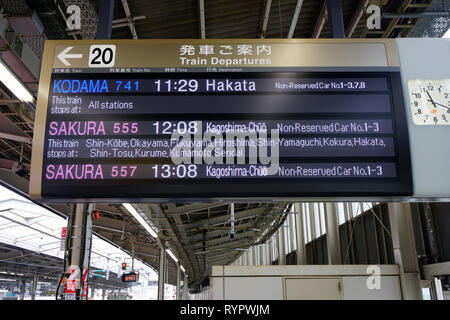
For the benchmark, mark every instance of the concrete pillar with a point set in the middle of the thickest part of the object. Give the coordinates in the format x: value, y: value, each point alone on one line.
x: 34, y: 288
x: 332, y: 229
x: 162, y: 271
x: 166, y: 274
x: 255, y: 255
x: 22, y: 285
x: 436, y: 286
x: 178, y: 282
x: 266, y: 252
x: 276, y: 244
x: 348, y: 211
x: 312, y: 220
x: 281, y: 252
x: 79, y: 247
x: 185, y: 287
x: 300, y: 235
x: 405, y: 254
x: 270, y: 251
x: 107, y: 271
x: 292, y: 228
x: 287, y: 245
x: 261, y: 255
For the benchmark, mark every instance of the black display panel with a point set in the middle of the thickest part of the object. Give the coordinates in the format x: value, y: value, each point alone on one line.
x: 340, y: 134
x: 129, y: 277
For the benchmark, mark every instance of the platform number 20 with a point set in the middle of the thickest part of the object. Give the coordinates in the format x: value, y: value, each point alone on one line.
x: 102, y: 56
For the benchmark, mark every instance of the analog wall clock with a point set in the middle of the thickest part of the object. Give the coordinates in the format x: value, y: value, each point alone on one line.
x: 430, y: 101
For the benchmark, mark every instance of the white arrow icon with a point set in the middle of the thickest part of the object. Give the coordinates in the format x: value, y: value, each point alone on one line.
x: 64, y: 55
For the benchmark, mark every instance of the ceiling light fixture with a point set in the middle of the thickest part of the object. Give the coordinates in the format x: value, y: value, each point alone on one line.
x: 139, y: 218
x: 172, y: 255
x: 13, y: 84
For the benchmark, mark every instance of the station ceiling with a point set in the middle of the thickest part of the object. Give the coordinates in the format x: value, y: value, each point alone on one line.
x: 196, y: 232
x: 26, y: 264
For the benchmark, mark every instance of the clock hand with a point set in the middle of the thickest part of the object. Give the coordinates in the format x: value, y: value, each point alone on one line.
x: 439, y: 104
x: 431, y: 99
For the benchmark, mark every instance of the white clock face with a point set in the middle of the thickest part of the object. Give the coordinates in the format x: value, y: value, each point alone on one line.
x: 430, y: 101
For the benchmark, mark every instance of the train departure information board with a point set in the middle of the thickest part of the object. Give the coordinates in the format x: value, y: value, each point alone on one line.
x: 233, y: 133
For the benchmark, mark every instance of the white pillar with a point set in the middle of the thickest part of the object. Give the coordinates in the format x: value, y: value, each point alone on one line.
x: 162, y: 271
x: 269, y: 252
x: 404, y: 245
x: 292, y: 228
x: 332, y: 228
x: 185, y: 287
x: 255, y: 255
x: 437, y: 288
x: 300, y: 235
x: 312, y: 220
x: 261, y: 255
x: 281, y: 252
x: 178, y: 282
x: 34, y: 287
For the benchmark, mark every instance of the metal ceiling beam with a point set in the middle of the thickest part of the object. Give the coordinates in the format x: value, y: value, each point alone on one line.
x: 222, y: 260
x: 320, y: 21
x: 15, y: 137
x: 14, y: 149
x: 297, y: 10
x: 212, y: 242
x: 189, y: 208
x: 415, y: 15
x: 356, y: 18
x: 224, y: 218
x: 130, y: 21
x: 10, y: 100
x: 265, y: 18
x: 11, y: 255
x: 122, y: 20
x: 436, y: 269
x: 231, y: 244
x: 224, y: 255
x: 192, y: 265
x: 404, y: 5
x: 221, y: 254
x: 176, y: 243
x: 201, y: 7
x: 217, y: 232
x: 335, y: 18
x: 116, y: 225
x: 105, y: 16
